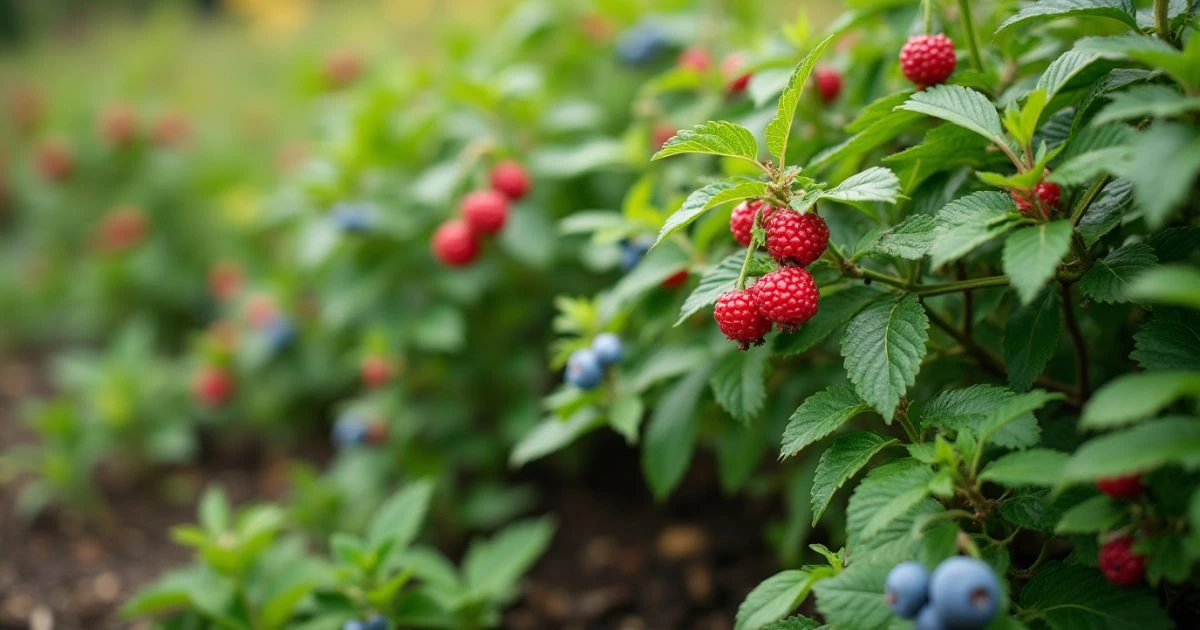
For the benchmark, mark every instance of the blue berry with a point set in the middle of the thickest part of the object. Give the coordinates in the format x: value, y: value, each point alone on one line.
x: 907, y: 588
x: 641, y: 44
x: 352, y: 217
x: 377, y: 623
x: 928, y: 619
x: 279, y: 333
x: 349, y: 430
x: 965, y: 592
x: 584, y: 370
x: 608, y: 349
x: 632, y: 251
x: 354, y: 624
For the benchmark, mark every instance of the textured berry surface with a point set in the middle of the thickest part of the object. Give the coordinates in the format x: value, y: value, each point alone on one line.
x: 486, y: 211
x: 829, y: 83
x: 907, y: 589
x: 376, y: 371
x: 213, y: 386
x: 928, y: 619
x: 510, y: 179
x: 1127, y: 487
x: 739, y: 319
x: 796, y: 239
x: 695, y: 59
x: 1120, y: 564
x: 455, y: 244
x: 787, y: 296
x: 731, y: 67
x: 928, y: 59
x: 608, y: 348
x: 965, y: 592
x: 1047, y: 192
x: 584, y: 369
x: 741, y: 222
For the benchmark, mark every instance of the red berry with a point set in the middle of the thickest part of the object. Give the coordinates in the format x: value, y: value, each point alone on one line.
x: 1047, y: 192
x: 676, y: 279
x: 829, y: 83
x: 928, y: 59
x: 171, y: 129
x: 787, y: 296
x: 225, y: 280
x: 213, y: 386
x: 741, y: 222
x: 696, y: 59
x: 55, y: 161
x: 510, y: 179
x: 455, y: 244
x: 661, y: 134
x: 731, y: 67
x: 121, y: 230
x: 1120, y: 564
x: 485, y: 211
x: 376, y: 371
x: 1127, y: 487
x: 796, y: 239
x: 118, y: 125
x: 738, y: 317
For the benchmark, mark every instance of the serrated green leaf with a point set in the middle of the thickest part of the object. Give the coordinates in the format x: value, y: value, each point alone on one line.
x: 883, y: 348
x: 1111, y: 278
x: 671, y: 434
x: 718, y: 137
x: 1073, y: 597
x: 707, y: 198
x: 1034, y: 467
x: 1106, y: 211
x: 854, y: 598
x: 1146, y: 101
x: 1171, y: 340
x: 738, y: 382
x: 973, y: 407
x: 944, y: 147
x: 1170, y: 284
x: 887, y: 493
x: 1135, y: 397
x: 961, y: 106
x: 877, y: 126
x: 911, y: 239
x: 841, y: 461
x: 1011, y: 410
x: 1040, y: 510
x: 1096, y: 514
x: 777, y: 596
x: 968, y: 222
x: 874, y: 184
x: 1160, y: 186
x: 1063, y: 70
x: 1032, y: 254
x: 1143, y: 448
x: 1031, y: 338
x: 780, y: 127
x: 818, y: 416
x: 1119, y: 10
x: 793, y: 623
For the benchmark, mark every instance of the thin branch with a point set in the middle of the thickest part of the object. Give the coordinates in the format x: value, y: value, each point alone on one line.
x: 927, y: 290
x: 1081, y: 354
x: 1088, y: 199
x: 964, y: 9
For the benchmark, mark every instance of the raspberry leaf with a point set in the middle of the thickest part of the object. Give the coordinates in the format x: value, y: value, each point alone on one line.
x: 883, y: 348
x: 1146, y: 447
x: 492, y: 567
x: 1119, y: 10
x: 720, y: 278
x: 1170, y: 284
x: 398, y: 521
x: 738, y: 383
x: 780, y: 127
x: 874, y: 184
x: 553, y: 434
x: 841, y: 461
x: 1034, y: 467
x: 777, y: 596
x: 714, y: 138
x: 706, y: 198
x: 794, y: 623
x: 820, y: 414
x: 961, y: 106
x: 1170, y: 340
x: 1135, y: 397
x: 1070, y: 596
x: 1110, y: 279
x: 836, y: 309
x: 1031, y: 338
x: 854, y: 598
x: 1032, y: 254
x: 671, y: 434
x: 968, y: 222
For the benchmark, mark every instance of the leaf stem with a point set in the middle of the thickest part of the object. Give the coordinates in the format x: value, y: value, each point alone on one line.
x: 1162, y: 21
x: 1081, y: 354
x: 960, y: 285
x: 928, y: 4
x: 1088, y: 198
x: 741, y: 283
x: 964, y: 9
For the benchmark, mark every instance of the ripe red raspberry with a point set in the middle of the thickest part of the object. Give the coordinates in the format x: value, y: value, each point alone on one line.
x: 1120, y: 564
x: 376, y: 371
x: 787, y: 296
x: 118, y: 125
x: 829, y: 83
x: 696, y: 59
x: 121, y: 230
x: 731, y: 67
x: 738, y: 317
x: 928, y: 59
x: 510, y: 180
x: 1127, y: 487
x: 486, y: 211
x: 796, y: 239
x: 741, y: 222
x: 1047, y: 192
x: 676, y: 279
x: 55, y: 161
x: 213, y: 386
x: 455, y: 244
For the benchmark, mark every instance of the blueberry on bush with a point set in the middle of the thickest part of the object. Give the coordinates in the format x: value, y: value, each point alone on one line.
x: 352, y: 218
x: 608, y: 349
x: 928, y: 619
x: 377, y: 622
x: 349, y: 430
x: 907, y: 589
x: 584, y: 369
x: 632, y: 251
x: 640, y: 44
x: 965, y: 592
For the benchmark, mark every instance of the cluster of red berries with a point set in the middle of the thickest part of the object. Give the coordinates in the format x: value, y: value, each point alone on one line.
x: 484, y: 213
x: 1042, y: 200
x: 786, y: 297
x: 928, y: 59
x: 1118, y: 561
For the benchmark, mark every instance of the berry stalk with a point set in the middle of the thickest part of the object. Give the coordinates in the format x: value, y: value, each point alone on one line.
x: 964, y: 8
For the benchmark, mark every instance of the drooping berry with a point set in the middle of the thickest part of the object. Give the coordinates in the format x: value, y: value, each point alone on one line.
x: 1120, y: 564
x: 584, y: 369
x: 118, y: 125
x: 510, y: 179
x: 213, y: 386
x: 741, y: 222
x: 787, y: 296
x: 676, y: 279
x: 608, y: 349
x: 455, y: 244
x: 486, y: 211
x: 55, y: 161
x: 907, y: 589
x: 928, y: 619
x: 796, y: 239
x: 829, y: 83
x: 1127, y: 487
x: 739, y: 319
x: 965, y: 592
x: 376, y: 371
x: 1048, y: 193
x: 121, y: 230
x: 695, y: 58
x: 928, y: 59
x: 731, y: 68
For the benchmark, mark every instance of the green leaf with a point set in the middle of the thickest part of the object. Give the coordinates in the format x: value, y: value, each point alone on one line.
x: 836, y: 309
x: 671, y: 435
x: 1119, y: 10
x: 553, y: 434
x: 214, y: 511
x: 1074, y: 597
x: 793, y: 623
x: 911, y: 239
x: 1146, y: 101
x: 492, y: 567
x: 854, y: 598
x: 780, y: 127
x: 1034, y: 467
x: 1032, y: 254
x: 658, y: 265
x: 841, y: 461
x: 1169, y: 284
x: 1106, y: 211
x: 706, y: 198
x: 883, y: 348
x: 399, y: 518
x: 968, y: 222
x: 738, y: 383
x: 961, y: 106
x: 1160, y: 186
x: 887, y: 493
x: 1063, y: 70
x: 1171, y: 340
x: 1031, y: 337
x: 973, y: 408
x: 820, y: 414
x: 1011, y: 410
x: 1093, y: 515
x: 625, y: 415
x: 1143, y: 448
x: 1111, y: 278
x: 714, y: 138
x: 720, y: 278
x: 944, y: 147
x: 776, y: 596
x: 874, y: 184
x: 1133, y: 397
x: 1040, y: 510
